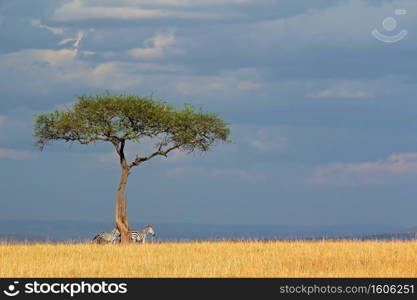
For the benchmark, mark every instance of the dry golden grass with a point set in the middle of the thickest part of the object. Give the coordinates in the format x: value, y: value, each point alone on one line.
x: 212, y: 259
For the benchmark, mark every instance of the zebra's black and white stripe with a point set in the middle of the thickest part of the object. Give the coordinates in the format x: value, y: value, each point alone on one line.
x: 140, y: 235
x: 107, y: 237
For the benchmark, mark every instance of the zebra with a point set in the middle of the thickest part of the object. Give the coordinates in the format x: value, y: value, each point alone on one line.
x: 140, y: 235
x: 107, y: 237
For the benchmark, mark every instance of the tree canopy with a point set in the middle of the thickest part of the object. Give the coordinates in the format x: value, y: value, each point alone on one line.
x: 119, y: 118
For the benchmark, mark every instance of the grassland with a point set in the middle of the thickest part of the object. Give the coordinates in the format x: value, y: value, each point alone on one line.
x: 212, y: 259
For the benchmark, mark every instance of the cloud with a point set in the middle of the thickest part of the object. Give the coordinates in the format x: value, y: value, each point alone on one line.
x: 224, y: 84
x: 345, y: 89
x: 52, y: 57
x: 47, y: 70
x: 16, y: 154
x: 154, y: 47
x: 38, y: 71
x: 77, y: 10
x: 323, y: 26
x: 116, y: 75
x: 268, y: 140
x: 88, y: 53
x: 396, y: 166
x: 186, y: 2
x: 215, y: 173
x: 43, y: 70
x: 65, y: 41
x: 76, y: 42
x: 54, y: 30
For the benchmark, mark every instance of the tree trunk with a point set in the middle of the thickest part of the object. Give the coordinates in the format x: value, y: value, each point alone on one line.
x: 120, y: 212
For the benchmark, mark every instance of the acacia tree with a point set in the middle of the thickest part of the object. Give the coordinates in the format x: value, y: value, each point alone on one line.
x: 121, y: 118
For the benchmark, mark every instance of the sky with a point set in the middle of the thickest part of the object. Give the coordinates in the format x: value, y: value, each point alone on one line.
x: 323, y: 114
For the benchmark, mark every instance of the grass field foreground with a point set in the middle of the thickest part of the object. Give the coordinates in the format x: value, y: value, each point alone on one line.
x: 212, y: 259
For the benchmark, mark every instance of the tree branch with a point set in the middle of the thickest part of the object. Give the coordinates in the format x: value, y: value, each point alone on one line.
x: 140, y: 160
x: 120, y: 146
x: 103, y: 138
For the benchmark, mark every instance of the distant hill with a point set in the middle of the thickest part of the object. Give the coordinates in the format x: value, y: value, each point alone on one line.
x: 406, y: 235
x: 82, y: 231
x: 26, y: 238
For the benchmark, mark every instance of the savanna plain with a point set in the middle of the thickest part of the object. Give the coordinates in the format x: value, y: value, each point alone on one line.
x: 212, y: 259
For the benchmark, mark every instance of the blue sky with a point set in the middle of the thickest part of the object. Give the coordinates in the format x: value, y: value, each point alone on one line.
x: 323, y: 115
